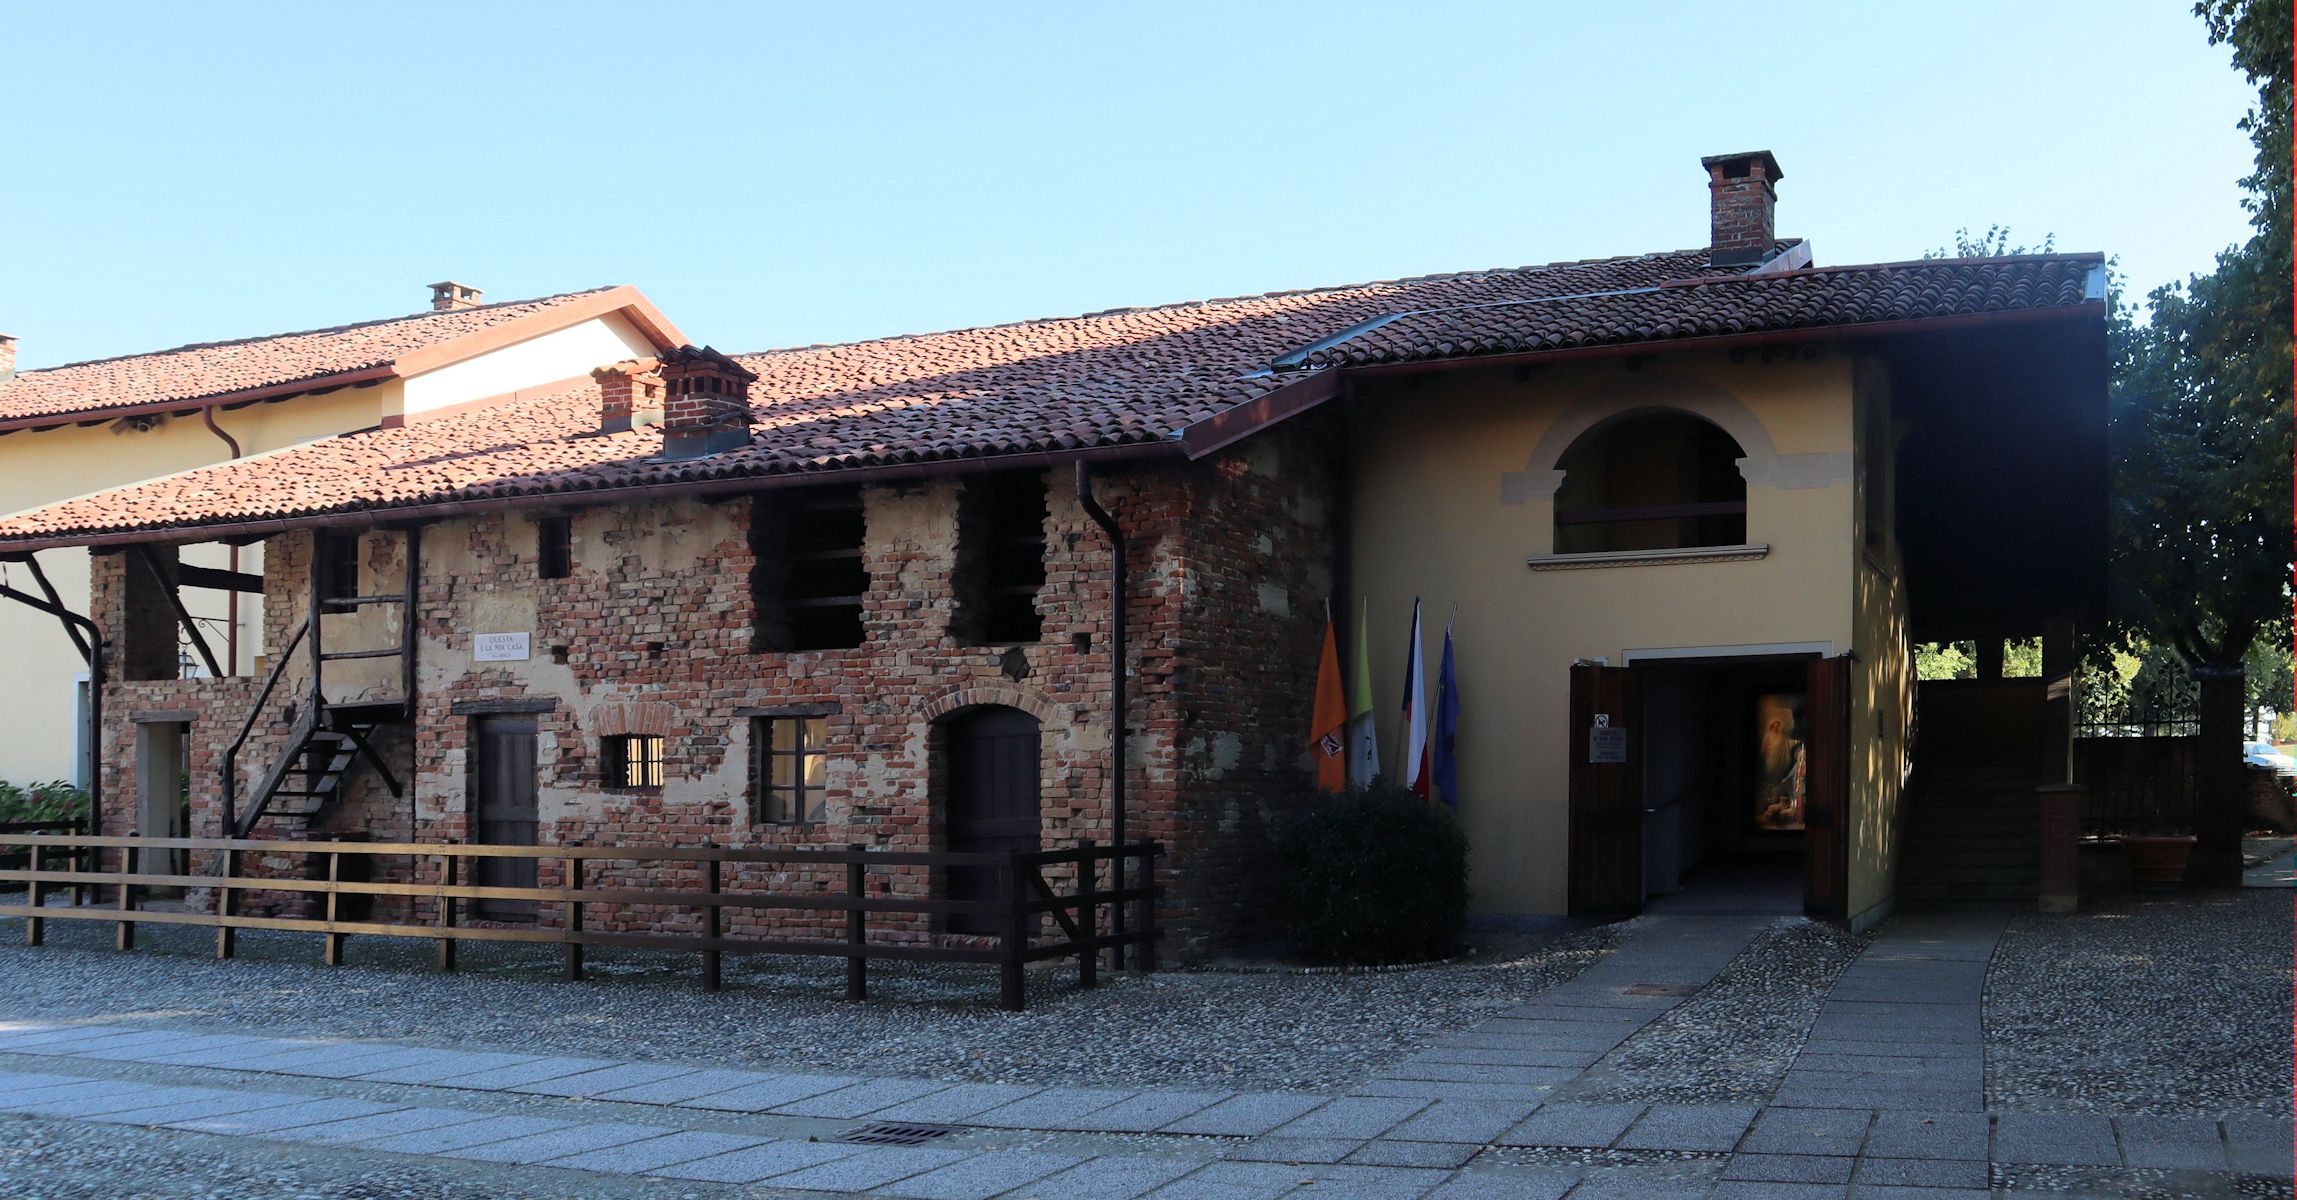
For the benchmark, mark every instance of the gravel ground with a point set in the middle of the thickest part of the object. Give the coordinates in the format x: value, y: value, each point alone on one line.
x: 63, y: 1160
x: 1259, y: 1032
x: 2179, y: 1005
x: 1733, y: 1041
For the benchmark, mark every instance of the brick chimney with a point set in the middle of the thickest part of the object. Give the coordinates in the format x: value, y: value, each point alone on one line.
x: 1745, y: 195
x: 7, y: 356
x: 447, y: 296
x: 705, y: 403
x: 629, y: 395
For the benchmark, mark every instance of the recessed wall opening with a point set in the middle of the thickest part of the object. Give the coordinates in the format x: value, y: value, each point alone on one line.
x: 1651, y: 481
x: 1725, y: 756
x: 808, y: 578
x: 1000, y: 559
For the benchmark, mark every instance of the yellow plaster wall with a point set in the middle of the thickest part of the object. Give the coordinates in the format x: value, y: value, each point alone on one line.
x: 1437, y: 466
x: 1882, y: 680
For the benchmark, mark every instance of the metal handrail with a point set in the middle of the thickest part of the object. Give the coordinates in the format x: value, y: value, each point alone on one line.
x: 247, y: 729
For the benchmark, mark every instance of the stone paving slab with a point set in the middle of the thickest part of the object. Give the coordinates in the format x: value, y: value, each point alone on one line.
x: 107, y: 1096
x: 1930, y: 1135
x: 1428, y: 1089
x: 1384, y: 1152
x: 351, y: 1066
x: 953, y: 1104
x: 1565, y: 1123
x: 1703, y: 1127
x: 677, y: 1089
x: 1375, y: 1183
x: 161, y: 1045
x: 1233, y: 1181
x: 605, y: 1079
x: 440, y: 1139
x: 208, y: 1106
x: 560, y: 1143
x: 631, y: 1158
x: 1145, y: 1112
x: 382, y: 1125
x: 1247, y: 1115
x: 271, y: 1120
x: 874, y: 1167
x: 489, y: 1079
x: 1436, y: 1072
x: 293, y: 1058
x: 1920, y: 1173
x: 1505, y: 1050
x: 1507, y: 1185
x: 757, y: 1162
x: 771, y: 1091
x: 448, y: 1068
x: 219, y: 1052
x: 2259, y: 1145
x: 1738, y: 1189
x: 1276, y: 1148
x: 1808, y: 1131
x: 1788, y: 1168
x: 861, y: 1099
x: 1473, y: 1122
x: 1051, y: 1104
x: 2062, y: 1139
x: 2171, y: 1143
x: 1356, y: 1117
x: 983, y: 1176
x: 1110, y: 1179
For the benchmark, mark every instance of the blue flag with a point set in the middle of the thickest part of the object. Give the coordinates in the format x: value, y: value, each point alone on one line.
x: 1447, y: 766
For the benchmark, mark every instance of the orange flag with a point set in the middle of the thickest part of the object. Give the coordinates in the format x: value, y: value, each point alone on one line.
x: 1328, y: 731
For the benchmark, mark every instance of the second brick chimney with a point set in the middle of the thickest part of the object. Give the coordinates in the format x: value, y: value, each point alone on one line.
x: 7, y: 357
x: 705, y: 402
x: 629, y: 395
x: 1744, y: 193
x: 447, y: 296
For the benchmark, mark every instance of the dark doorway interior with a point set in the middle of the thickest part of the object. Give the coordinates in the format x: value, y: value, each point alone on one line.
x: 1726, y: 784
x: 992, y: 801
x: 503, y: 811
x: 163, y: 808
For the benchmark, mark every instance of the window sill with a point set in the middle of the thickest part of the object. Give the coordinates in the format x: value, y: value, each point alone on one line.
x: 1646, y: 558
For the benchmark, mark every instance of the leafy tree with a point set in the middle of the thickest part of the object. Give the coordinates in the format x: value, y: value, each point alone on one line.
x: 1994, y: 243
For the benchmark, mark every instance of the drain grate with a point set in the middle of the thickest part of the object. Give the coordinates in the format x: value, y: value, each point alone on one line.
x: 1658, y: 989
x: 896, y: 1135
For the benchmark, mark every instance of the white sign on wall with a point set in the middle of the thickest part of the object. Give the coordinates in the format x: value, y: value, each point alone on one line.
x: 500, y: 647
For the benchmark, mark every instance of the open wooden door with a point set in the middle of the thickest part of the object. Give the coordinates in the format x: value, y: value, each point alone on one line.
x: 1606, y: 791
x: 1826, y: 790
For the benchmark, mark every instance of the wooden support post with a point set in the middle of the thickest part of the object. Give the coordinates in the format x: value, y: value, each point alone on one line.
x: 333, y: 955
x: 125, y: 935
x: 1088, y: 915
x: 226, y: 907
x: 573, y: 969
x: 1011, y: 987
x: 446, y: 914
x: 34, y: 934
x: 856, y: 928
x: 712, y: 925
x: 2060, y: 660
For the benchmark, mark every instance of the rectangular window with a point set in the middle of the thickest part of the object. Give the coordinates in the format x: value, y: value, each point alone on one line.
x: 808, y: 579
x: 631, y: 762
x: 788, y: 766
x: 1000, y: 559
x: 554, y: 547
x: 336, y: 558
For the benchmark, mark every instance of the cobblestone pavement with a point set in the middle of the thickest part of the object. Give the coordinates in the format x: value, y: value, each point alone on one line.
x: 1884, y: 1100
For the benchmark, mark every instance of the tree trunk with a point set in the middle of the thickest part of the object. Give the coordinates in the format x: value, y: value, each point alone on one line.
x: 2220, y: 808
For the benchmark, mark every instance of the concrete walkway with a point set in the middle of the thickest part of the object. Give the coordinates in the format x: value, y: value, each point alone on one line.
x: 1885, y: 1100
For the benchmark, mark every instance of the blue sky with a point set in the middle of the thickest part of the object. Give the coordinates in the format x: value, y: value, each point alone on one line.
x: 778, y: 175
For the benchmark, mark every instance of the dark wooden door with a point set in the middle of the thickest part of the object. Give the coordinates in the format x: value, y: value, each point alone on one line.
x: 1826, y: 789
x: 1606, y: 850
x: 503, y: 812
x: 993, y: 802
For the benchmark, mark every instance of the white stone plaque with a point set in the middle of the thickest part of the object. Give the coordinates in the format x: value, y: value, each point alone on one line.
x: 500, y: 647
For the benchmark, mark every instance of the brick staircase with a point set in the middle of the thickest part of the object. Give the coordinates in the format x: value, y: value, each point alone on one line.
x: 1969, y: 842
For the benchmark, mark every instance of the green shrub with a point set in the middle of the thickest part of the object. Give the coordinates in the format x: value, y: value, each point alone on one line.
x: 1374, y: 876
x: 54, y: 800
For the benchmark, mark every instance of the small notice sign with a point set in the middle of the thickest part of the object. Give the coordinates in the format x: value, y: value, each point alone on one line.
x: 500, y: 647
x: 1605, y: 744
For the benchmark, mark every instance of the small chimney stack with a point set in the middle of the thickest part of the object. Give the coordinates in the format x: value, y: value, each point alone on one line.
x: 1744, y: 192
x: 7, y: 357
x: 629, y: 395
x: 447, y: 296
x: 705, y: 403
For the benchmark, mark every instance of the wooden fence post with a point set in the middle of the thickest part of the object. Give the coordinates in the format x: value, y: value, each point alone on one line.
x: 1088, y: 915
x: 1011, y: 987
x: 712, y: 924
x: 226, y: 907
x: 33, y: 932
x: 333, y: 954
x: 573, y: 969
x: 125, y: 936
x: 449, y: 870
x: 856, y: 927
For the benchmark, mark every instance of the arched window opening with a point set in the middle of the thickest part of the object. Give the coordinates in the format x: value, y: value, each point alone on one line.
x: 1651, y: 481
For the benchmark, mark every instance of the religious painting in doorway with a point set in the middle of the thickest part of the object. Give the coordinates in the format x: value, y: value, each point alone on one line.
x: 1779, y: 757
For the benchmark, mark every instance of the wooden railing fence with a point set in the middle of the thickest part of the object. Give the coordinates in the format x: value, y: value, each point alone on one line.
x: 1080, y: 926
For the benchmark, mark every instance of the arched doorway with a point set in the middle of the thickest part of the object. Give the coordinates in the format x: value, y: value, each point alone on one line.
x: 990, y: 800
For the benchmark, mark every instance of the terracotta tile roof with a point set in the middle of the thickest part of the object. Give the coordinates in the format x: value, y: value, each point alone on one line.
x: 210, y: 369
x: 1715, y: 307
x: 1102, y: 382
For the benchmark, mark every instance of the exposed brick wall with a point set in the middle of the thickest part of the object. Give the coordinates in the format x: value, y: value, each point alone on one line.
x: 652, y: 632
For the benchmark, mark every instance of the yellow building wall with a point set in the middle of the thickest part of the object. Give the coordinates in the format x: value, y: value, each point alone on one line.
x: 1453, y: 486
x: 1882, y: 679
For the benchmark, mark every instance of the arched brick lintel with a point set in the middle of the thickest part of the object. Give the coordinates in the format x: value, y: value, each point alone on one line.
x: 977, y: 693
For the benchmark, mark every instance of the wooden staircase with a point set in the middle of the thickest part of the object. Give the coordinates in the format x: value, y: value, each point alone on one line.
x: 1969, y: 842
x: 329, y: 744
